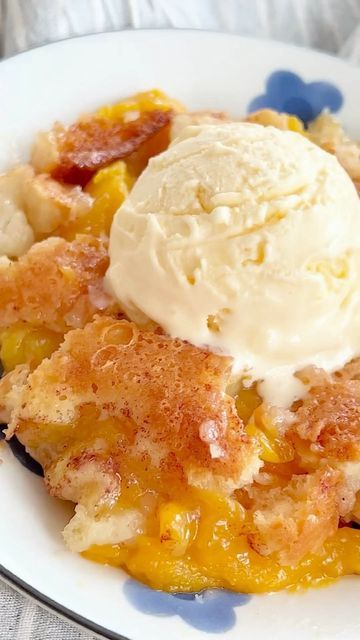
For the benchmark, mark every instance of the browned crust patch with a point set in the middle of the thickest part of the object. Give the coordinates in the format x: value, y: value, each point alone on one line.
x: 93, y: 143
x: 55, y: 284
x: 295, y: 520
x: 166, y: 395
x: 329, y: 420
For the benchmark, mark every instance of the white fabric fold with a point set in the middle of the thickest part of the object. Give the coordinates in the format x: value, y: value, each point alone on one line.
x: 329, y: 25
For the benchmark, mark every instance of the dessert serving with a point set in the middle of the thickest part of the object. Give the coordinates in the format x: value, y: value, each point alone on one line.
x: 179, y: 313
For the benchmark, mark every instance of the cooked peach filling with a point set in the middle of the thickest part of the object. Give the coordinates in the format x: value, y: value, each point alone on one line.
x: 195, y: 539
x: 192, y: 538
x: 22, y: 343
x: 108, y: 188
x: 198, y: 539
x: 199, y: 544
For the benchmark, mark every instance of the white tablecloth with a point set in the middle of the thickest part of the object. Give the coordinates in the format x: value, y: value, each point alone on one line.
x: 331, y: 25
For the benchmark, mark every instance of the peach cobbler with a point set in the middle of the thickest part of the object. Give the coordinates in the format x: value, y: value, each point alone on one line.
x: 180, y: 344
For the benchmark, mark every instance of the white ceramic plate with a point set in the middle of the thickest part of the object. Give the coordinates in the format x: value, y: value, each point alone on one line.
x: 204, y: 70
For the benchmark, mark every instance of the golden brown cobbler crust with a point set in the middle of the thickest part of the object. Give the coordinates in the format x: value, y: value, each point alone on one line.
x: 328, y: 417
x: 55, y: 284
x: 170, y: 393
x: 296, y: 519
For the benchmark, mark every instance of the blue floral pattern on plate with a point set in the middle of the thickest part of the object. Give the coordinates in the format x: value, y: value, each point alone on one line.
x: 211, y: 610
x: 286, y: 91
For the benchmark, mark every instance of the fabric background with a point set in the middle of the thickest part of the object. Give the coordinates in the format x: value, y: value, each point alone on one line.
x: 330, y: 25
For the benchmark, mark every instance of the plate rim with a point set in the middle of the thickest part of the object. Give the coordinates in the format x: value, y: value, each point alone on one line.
x: 270, y: 42
x: 39, y: 598
x: 8, y: 577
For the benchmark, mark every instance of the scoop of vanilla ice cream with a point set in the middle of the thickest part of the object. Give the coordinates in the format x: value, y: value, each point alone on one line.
x: 245, y: 239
